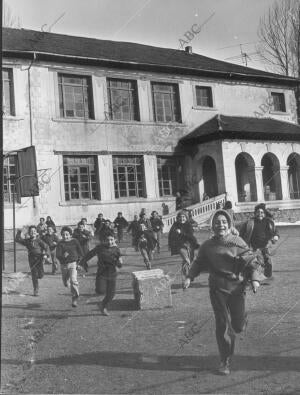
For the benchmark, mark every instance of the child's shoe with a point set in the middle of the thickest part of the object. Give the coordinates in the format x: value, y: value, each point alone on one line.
x: 103, y: 310
x: 74, y: 301
x: 224, y: 368
x: 36, y: 292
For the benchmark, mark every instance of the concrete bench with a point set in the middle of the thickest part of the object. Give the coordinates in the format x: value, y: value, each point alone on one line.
x: 152, y: 289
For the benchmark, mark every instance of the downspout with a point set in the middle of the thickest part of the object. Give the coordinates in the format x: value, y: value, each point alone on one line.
x: 30, y: 111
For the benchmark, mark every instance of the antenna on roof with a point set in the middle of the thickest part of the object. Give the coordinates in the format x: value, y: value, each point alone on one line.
x: 54, y: 23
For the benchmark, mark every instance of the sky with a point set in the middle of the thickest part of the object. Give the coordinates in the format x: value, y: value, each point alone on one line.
x: 225, y: 23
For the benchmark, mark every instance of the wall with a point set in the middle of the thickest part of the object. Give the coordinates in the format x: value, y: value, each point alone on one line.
x: 54, y: 136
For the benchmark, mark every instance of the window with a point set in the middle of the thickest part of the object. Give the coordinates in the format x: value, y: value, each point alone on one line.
x: 122, y: 100
x: 166, y: 107
x: 80, y: 178
x: 278, y: 101
x: 8, y: 106
x: 167, y: 175
x: 204, y: 96
x: 9, y: 173
x: 75, y: 96
x: 128, y: 176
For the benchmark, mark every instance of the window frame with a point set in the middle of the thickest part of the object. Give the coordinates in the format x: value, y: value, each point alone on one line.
x: 139, y: 192
x: 12, y: 105
x: 10, y: 184
x: 133, y: 95
x: 176, y: 118
x: 161, y: 180
x: 62, y: 108
x: 282, y: 95
x: 210, y: 97
x: 94, y: 194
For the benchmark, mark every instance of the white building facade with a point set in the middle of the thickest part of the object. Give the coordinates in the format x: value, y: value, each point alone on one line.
x: 121, y: 126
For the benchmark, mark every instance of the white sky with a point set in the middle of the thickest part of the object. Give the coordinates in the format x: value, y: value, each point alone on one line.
x: 153, y: 22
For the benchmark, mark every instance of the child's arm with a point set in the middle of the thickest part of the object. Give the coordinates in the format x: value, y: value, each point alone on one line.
x: 88, y: 256
x: 199, y: 265
x: 19, y: 239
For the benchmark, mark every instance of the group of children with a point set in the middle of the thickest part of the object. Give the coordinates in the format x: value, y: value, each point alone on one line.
x: 233, y: 256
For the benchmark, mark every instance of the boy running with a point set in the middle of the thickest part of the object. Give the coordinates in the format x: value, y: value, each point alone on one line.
x: 226, y: 257
x: 69, y: 253
x: 51, y: 239
x: 37, y: 252
x: 109, y: 260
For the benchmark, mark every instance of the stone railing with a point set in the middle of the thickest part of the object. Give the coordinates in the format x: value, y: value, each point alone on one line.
x: 199, y: 211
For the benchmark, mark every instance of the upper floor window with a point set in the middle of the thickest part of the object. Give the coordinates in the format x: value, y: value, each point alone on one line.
x: 167, y: 175
x: 278, y: 101
x: 128, y: 174
x: 75, y: 96
x: 80, y: 177
x: 8, y: 105
x: 122, y: 100
x: 166, y: 104
x: 204, y: 96
x: 9, y: 175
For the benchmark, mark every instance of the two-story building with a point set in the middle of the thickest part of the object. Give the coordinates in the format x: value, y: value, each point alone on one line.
x: 121, y: 126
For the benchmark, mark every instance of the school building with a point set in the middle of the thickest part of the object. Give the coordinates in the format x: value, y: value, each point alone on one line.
x: 121, y: 126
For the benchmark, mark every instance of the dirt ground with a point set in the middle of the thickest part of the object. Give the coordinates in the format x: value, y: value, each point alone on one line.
x: 50, y: 347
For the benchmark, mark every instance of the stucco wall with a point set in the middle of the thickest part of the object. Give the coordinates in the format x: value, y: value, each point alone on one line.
x: 53, y: 136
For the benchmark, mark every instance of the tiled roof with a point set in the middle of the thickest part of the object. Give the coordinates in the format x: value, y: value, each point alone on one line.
x: 81, y: 49
x: 236, y: 127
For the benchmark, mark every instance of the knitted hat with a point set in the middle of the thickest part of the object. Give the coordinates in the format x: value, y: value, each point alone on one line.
x: 221, y: 212
x: 182, y: 212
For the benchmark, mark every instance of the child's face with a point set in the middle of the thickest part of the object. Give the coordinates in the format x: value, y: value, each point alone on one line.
x: 155, y: 214
x: 260, y: 214
x: 221, y: 226
x: 110, y: 241
x: 135, y: 217
x: 33, y: 233
x: 50, y: 230
x: 84, y: 221
x: 81, y: 227
x: 66, y: 235
x: 42, y: 220
x: 182, y: 218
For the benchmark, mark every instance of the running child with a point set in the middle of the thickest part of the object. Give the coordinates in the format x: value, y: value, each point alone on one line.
x: 121, y: 224
x: 51, y: 239
x: 37, y: 252
x: 226, y: 257
x: 157, y: 226
x: 134, y: 228
x: 109, y: 261
x: 68, y: 253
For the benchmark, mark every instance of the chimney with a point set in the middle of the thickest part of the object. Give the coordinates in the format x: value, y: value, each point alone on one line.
x: 189, y: 49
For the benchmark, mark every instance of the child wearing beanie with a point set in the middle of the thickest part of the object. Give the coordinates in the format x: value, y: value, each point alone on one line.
x: 231, y: 265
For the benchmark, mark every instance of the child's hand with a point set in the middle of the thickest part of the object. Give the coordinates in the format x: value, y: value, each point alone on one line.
x: 66, y: 254
x: 235, y: 232
x: 54, y: 243
x: 275, y: 238
x: 255, y: 286
x: 178, y: 230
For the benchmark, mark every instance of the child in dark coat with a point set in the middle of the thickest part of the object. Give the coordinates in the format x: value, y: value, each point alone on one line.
x: 146, y: 241
x: 182, y: 240
x: 157, y: 227
x: 83, y: 236
x: 109, y: 260
x: 51, y: 239
x: 226, y: 257
x: 134, y: 228
x: 258, y: 233
x: 37, y: 252
x: 69, y: 253
x: 121, y: 224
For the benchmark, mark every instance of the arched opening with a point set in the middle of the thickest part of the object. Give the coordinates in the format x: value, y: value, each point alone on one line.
x: 245, y: 178
x: 271, y: 177
x: 210, y: 177
x: 294, y: 175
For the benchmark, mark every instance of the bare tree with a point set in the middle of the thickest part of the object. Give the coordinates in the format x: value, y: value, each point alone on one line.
x: 279, y: 33
x: 8, y: 18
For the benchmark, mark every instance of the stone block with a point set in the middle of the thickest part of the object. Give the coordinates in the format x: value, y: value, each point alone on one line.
x: 151, y: 289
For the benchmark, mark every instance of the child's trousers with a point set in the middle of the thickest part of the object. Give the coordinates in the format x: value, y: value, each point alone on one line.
x: 230, y: 318
x: 69, y: 273
x: 37, y: 270
x: 111, y: 282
